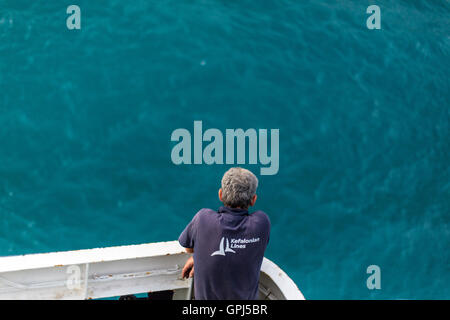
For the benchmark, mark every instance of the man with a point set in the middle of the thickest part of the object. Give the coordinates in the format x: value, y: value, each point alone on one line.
x: 228, y: 244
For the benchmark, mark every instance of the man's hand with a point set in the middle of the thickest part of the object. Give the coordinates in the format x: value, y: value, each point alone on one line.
x: 188, y: 269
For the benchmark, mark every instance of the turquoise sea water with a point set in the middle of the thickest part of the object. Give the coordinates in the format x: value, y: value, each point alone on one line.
x: 364, y: 118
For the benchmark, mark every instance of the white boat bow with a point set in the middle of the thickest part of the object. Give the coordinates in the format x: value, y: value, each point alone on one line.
x: 117, y: 271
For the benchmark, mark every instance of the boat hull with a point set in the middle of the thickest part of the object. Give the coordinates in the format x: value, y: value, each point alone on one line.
x: 116, y: 271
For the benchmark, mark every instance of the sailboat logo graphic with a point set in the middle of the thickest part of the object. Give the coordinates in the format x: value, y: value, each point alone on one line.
x: 221, y: 251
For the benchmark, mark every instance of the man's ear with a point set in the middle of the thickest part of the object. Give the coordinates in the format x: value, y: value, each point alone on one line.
x: 220, y: 194
x: 252, y: 203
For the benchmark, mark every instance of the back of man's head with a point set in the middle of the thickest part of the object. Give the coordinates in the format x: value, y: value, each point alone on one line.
x: 238, y: 188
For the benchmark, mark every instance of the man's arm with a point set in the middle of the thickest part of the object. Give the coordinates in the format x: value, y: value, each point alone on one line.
x: 187, y: 240
x: 188, y: 269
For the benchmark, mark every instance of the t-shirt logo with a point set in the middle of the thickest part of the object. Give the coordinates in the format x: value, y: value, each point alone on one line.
x: 221, y: 251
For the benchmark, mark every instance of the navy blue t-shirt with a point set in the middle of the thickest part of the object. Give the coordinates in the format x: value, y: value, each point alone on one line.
x: 228, y: 248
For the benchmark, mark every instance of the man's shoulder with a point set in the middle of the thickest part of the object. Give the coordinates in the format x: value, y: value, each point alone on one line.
x: 262, y: 216
x: 260, y: 213
x: 204, y: 213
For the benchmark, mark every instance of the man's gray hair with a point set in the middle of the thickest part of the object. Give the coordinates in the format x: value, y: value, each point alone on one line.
x: 238, y: 187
